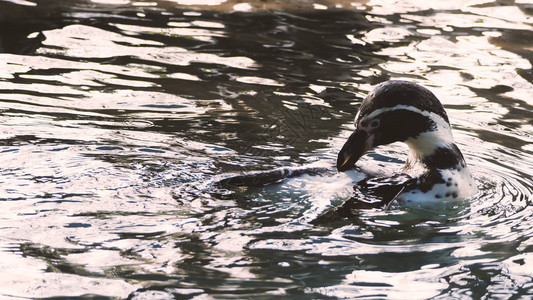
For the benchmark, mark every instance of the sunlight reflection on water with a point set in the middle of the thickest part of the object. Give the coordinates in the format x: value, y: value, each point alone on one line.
x: 116, y: 125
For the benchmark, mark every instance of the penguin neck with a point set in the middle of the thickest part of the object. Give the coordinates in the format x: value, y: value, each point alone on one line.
x: 432, y: 151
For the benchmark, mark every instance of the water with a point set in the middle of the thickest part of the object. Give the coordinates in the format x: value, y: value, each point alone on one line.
x: 114, y: 126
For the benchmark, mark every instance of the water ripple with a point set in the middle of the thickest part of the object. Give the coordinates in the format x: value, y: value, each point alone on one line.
x: 117, y: 117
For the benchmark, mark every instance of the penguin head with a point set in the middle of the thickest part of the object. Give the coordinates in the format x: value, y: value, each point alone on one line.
x: 397, y: 111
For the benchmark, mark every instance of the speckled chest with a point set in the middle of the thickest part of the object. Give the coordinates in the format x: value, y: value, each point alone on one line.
x: 440, y: 184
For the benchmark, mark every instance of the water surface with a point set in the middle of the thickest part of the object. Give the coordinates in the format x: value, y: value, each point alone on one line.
x: 116, y: 117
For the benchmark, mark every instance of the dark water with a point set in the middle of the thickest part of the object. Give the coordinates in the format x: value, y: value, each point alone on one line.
x: 116, y: 119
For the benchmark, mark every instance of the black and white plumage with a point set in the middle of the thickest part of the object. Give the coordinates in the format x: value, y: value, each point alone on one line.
x: 435, y: 169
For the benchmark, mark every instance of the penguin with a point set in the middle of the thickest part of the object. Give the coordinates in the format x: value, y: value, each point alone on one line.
x: 435, y: 169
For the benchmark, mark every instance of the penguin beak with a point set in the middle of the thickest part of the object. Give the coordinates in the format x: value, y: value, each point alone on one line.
x: 357, y: 144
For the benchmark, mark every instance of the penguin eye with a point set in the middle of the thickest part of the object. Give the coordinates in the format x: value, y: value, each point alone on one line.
x: 374, y: 124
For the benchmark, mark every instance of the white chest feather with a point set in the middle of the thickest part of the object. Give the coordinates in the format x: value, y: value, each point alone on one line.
x: 458, y: 184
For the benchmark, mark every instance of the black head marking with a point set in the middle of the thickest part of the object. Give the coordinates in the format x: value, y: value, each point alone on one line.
x: 399, y: 92
x: 399, y: 125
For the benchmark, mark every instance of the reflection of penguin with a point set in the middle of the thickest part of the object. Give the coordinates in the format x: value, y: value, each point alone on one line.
x: 435, y: 168
x: 267, y: 177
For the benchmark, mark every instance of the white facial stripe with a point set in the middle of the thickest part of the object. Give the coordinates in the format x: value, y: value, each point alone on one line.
x: 431, y: 115
x: 425, y: 143
x: 357, y: 117
x: 439, y: 121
